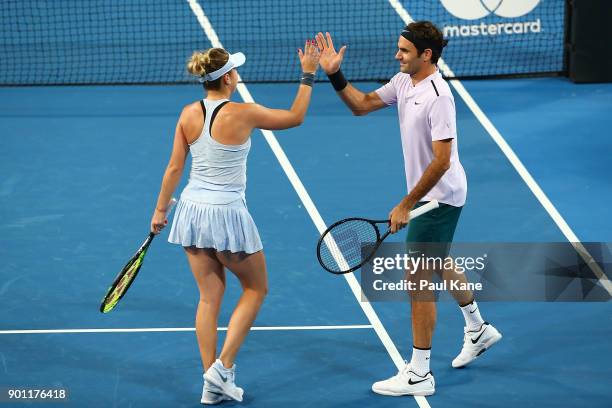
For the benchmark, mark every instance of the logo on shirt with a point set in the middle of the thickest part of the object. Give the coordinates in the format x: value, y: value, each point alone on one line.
x: 474, y: 9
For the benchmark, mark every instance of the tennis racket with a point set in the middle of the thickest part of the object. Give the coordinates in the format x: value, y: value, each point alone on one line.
x: 339, y: 249
x: 124, y: 280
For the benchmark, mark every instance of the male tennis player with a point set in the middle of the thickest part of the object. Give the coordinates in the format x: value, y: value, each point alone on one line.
x: 426, y: 111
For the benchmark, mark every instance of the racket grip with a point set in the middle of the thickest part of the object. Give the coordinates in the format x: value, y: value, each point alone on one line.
x: 433, y: 204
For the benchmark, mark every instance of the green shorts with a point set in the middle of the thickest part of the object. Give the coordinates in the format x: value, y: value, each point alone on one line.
x: 435, y: 226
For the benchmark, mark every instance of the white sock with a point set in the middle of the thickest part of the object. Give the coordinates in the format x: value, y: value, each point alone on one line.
x: 420, y: 361
x: 471, y: 313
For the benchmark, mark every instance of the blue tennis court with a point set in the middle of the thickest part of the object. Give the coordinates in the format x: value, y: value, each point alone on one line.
x: 82, y: 167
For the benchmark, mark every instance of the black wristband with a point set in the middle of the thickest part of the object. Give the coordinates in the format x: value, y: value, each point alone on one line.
x: 338, y: 80
x: 307, y: 78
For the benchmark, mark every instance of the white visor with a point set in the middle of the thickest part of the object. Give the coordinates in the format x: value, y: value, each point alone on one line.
x: 234, y: 61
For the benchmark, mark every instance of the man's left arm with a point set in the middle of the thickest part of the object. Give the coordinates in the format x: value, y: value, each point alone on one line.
x: 433, y: 173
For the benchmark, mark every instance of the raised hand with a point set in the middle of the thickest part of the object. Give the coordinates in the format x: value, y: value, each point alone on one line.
x: 330, y: 59
x: 309, y: 58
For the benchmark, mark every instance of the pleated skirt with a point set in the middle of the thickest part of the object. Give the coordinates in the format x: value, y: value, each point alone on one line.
x: 224, y: 227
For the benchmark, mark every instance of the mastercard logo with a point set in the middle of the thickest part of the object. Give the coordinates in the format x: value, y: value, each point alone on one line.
x: 475, y: 9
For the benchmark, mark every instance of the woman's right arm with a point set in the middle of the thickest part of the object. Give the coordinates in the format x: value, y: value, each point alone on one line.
x: 275, y: 119
x: 172, y: 176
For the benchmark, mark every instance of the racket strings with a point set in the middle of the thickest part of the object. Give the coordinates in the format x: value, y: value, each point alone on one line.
x: 126, y: 279
x: 118, y: 290
x: 342, y: 245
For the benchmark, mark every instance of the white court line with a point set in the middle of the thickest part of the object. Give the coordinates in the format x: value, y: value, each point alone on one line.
x: 516, y: 162
x: 184, y: 329
x: 308, y: 204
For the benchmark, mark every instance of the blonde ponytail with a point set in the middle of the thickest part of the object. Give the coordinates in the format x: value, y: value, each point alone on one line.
x: 197, y: 63
x: 205, y: 62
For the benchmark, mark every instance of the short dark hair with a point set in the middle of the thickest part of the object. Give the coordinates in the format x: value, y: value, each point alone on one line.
x: 427, y: 31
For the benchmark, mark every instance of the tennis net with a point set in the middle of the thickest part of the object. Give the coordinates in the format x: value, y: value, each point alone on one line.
x: 47, y: 42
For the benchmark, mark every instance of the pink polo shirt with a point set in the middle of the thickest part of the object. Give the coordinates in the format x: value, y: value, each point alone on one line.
x: 427, y: 113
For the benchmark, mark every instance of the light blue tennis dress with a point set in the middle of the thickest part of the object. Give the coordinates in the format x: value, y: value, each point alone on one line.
x: 212, y: 212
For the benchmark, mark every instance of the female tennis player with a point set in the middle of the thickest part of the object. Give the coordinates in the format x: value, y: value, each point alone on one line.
x: 212, y: 222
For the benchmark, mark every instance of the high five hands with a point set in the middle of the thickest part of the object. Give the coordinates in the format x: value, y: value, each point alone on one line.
x: 309, y: 58
x: 330, y: 59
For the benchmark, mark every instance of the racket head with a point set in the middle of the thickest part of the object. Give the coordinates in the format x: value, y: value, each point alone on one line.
x: 124, y: 279
x: 339, y: 249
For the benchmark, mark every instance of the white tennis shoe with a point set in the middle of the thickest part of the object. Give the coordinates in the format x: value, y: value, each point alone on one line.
x: 475, y: 343
x: 223, y: 378
x: 406, y: 382
x: 212, y: 395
